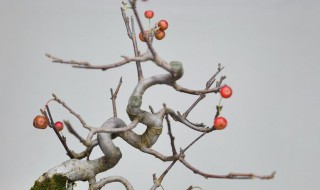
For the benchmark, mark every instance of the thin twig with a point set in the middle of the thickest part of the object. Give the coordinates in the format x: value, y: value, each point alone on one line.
x: 194, y: 141
x: 73, y: 132
x: 167, y: 170
x: 220, y: 81
x: 172, y: 138
x: 197, y: 127
x: 132, y: 36
x: 84, y: 124
x: 86, y: 152
x: 202, y: 96
x: 134, y: 8
x: 114, y: 97
x: 136, y: 51
x: 195, y: 92
x: 158, y: 154
x: 126, y: 21
x: 86, y: 65
x: 228, y: 176
x: 157, y: 182
x: 51, y: 124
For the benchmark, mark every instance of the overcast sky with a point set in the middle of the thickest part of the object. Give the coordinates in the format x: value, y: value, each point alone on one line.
x: 270, y: 50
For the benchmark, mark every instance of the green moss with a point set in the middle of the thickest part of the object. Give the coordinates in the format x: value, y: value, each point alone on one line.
x: 56, y: 182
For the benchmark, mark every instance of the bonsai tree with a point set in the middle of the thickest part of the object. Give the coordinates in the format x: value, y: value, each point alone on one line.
x: 80, y: 167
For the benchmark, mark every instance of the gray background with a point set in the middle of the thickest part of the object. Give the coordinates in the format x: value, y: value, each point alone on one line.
x: 271, y: 52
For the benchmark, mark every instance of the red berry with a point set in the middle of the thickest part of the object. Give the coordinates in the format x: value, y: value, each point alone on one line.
x: 148, y: 14
x: 141, y: 37
x: 220, y: 123
x: 163, y: 25
x: 40, y: 122
x: 159, y: 34
x: 58, y: 125
x: 226, y: 92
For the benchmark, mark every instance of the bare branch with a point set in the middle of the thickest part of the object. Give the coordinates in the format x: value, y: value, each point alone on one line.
x: 86, y: 65
x: 114, y: 126
x: 93, y: 131
x: 173, y: 147
x: 136, y: 50
x: 198, y: 127
x: 126, y: 20
x: 112, y: 179
x: 132, y: 36
x: 166, y: 171
x: 192, y: 143
x: 134, y: 8
x: 228, y: 176
x: 51, y: 124
x: 157, y: 182
x: 73, y: 132
x: 208, y: 85
x: 86, y: 152
x: 195, y: 92
x: 84, y: 124
x: 114, y: 97
x: 220, y: 81
x: 158, y: 154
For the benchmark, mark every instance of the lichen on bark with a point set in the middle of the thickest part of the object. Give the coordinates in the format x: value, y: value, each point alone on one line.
x: 56, y: 182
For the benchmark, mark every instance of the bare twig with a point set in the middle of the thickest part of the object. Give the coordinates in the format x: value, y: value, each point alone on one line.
x: 192, y: 143
x: 228, y: 176
x: 136, y: 50
x: 114, y: 97
x: 132, y: 36
x: 86, y: 65
x: 202, y: 96
x: 157, y: 182
x: 111, y: 179
x: 86, y: 152
x: 126, y: 20
x: 166, y: 171
x: 158, y: 154
x: 195, y: 92
x: 173, y: 147
x: 84, y: 124
x: 182, y: 119
x: 51, y: 124
x: 220, y: 81
x: 134, y: 8
x: 73, y: 132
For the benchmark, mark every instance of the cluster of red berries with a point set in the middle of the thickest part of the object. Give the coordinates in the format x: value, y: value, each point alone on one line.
x: 41, y: 122
x: 220, y: 122
x: 159, y: 31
